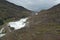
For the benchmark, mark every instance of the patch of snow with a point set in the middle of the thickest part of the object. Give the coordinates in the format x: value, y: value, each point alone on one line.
x: 18, y: 24
x: 1, y: 35
x: 36, y: 13
x: 1, y: 30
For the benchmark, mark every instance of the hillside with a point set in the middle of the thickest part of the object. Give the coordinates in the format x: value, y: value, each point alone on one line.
x: 51, y: 15
x: 10, y: 11
x: 44, y: 26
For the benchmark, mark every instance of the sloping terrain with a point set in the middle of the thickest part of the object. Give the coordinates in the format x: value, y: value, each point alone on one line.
x: 44, y: 26
x: 10, y: 11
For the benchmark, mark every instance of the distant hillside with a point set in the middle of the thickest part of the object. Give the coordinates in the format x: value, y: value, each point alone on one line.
x: 44, y: 26
x: 9, y: 11
x: 47, y: 16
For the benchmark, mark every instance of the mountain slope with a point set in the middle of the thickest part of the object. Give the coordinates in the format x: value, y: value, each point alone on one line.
x: 9, y: 11
x: 50, y: 15
x: 44, y: 26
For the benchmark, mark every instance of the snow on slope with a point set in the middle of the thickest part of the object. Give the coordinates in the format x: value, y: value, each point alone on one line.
x: 18, y: 24
x: 1, y: 30
x: 1, y: 35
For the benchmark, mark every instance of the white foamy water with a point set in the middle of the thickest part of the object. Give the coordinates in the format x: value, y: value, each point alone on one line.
x: 18, y: 24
